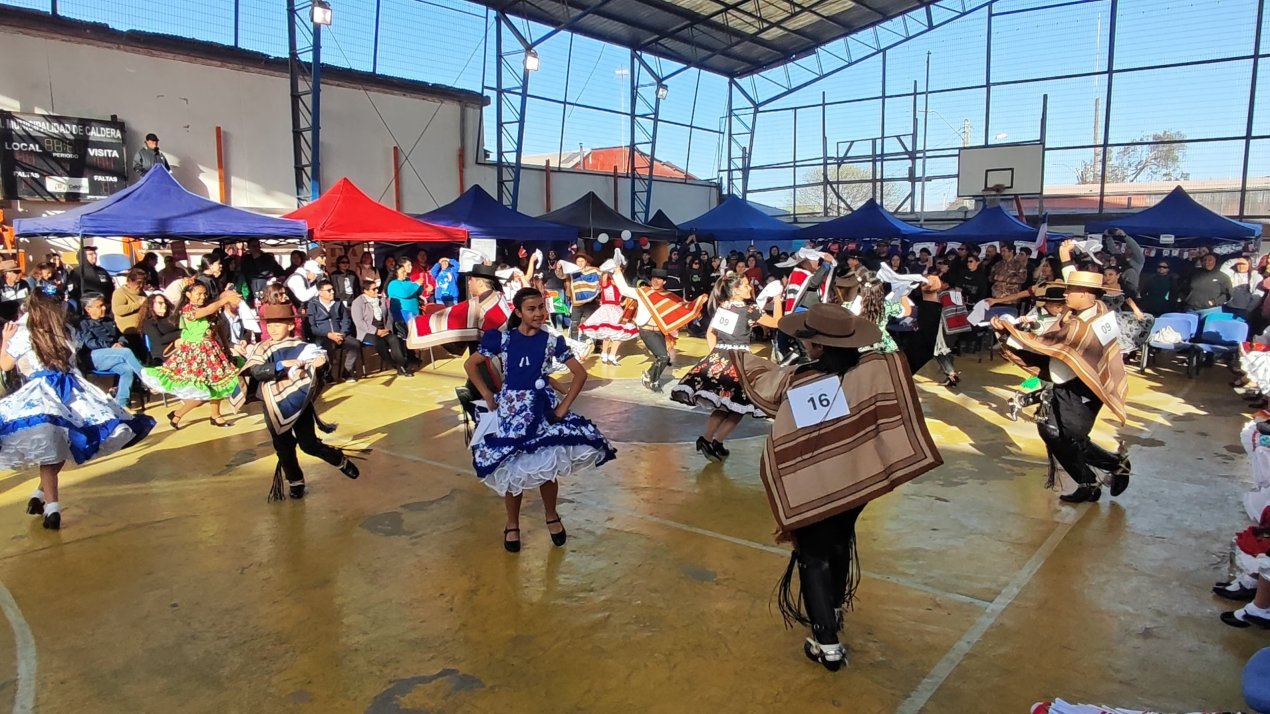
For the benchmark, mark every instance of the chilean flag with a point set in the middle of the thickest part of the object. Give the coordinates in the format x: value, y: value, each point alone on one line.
x: 1042, y: 235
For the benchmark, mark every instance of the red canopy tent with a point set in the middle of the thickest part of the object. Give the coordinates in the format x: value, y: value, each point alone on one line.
x: 344, y: 214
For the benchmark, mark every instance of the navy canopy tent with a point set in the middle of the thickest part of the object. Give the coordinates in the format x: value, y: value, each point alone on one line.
x: 736, y: 225
x: 482, y: 216
x: 159, y: 207
x: 988, y: 225
x: 868, y: 222
x: 1181, y: 216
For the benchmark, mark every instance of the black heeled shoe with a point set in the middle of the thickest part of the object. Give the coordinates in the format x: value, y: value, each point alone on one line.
x: 174, y: 421
x: 349, y: 469
x: 1084, y: 494
x: 719, y: 449
x: 53, y: 521
x: 1238, y: 593
x: 511, y: 546
x: 558, y: 539
x: 831, y: 657
x: 296, y: 490
x: 1120, y: 477
x: 219, y: 422
x: 705, y: 449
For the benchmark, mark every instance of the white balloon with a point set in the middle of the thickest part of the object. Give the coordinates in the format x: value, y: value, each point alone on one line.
x: 626, y: 235
x: 603, y: 238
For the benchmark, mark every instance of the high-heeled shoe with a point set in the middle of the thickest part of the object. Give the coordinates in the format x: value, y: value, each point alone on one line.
x: 719, y: 449
x: 174, y: 421
x: 706, y: 449
x: 558, y: 539
x: 831, y: 657
x: 219, y: 422
x: 511, y: 546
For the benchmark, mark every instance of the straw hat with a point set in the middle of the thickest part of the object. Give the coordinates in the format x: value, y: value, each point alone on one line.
x: 9, y: 266
x: 1087, y: 280
x: 831, y: 326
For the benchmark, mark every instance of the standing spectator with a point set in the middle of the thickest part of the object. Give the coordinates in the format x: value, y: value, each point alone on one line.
x: 149, y: 156
x: 446, y: 275
x: 1009, y: 275
x: 103, y: 348
x: 257, y: 268
x: 345, y: 281
x: 211, y: 273
x: 1133, y: 260
x: 13, y: 288
x: 403, y: 296
x: 173, y: 270
x: 990, y: 257
x: 297, y: 258
x: 159, y: 326
x: 388, y: 272
x: 126, y: 306
x: 698, y: 278
x: 774, y: 257
x: 150, y: 264
x: 90, y: 278
x: 301, y: 285
x: 674, y: 265
x: 1159, y: 291
x: 332, y: 328
x: 1209, y: 287
x: 1245, y: 286
x: 372, y: 323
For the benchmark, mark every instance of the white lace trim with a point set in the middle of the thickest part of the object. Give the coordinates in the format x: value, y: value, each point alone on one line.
x: 526, y: 472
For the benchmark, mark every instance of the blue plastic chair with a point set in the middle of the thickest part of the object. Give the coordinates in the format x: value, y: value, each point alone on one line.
x: 1185, y: 323
x: 1218, y: 337
x: 1190, y: 318
x: 1256, y: 682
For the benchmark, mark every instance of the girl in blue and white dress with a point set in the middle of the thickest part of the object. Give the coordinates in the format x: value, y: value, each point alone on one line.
x: 56, y: 415
x: 537, y: 439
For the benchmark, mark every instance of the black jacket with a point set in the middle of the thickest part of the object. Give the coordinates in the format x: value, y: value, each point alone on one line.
x: 98, y: 334
x: 973, y: 284
x: 347, y: 286
x: 159, y: 333
x: 91, y: 280
x: 321, y: 319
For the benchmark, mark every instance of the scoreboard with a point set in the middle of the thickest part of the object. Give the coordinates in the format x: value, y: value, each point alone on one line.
x: 54, y: 158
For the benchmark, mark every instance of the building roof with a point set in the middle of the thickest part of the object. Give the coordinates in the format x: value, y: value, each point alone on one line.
x: 727, y: 37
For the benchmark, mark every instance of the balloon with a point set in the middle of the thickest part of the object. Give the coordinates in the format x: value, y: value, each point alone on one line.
x: 602, y: 238
x: 598, y: 246
x: 617, y: 242
x: 626, y: 235
x: 643, y: 242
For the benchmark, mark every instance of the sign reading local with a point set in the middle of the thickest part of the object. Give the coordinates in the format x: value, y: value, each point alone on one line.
x: 54, y: 158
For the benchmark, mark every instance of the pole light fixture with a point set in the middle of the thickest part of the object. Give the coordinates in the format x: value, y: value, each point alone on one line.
x: 321, y: 13
x: 532, y: 62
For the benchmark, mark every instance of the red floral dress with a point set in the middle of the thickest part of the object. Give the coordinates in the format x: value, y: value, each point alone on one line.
x: 197, y: 367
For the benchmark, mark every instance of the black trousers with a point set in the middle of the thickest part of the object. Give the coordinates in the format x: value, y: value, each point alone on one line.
x: 578, y: 314
x: 343, y: 356
x: 655, y: 341
x: 389, y: 348
x: 827, y: 574
x: 1073, y: 409
x: 302, y: 434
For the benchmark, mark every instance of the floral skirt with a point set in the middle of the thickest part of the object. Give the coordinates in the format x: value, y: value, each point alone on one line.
x: 528, y: 450
x: 194, y: 370
x: 606, y: 324
x: 1133, y: 332
x: 715, y: 384
x: 57, y: 416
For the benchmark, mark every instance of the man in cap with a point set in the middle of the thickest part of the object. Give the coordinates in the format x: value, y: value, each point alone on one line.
x: 90, y: 278
x: 149, y: 156
x: 1080, y: 354
x: 285, y: 367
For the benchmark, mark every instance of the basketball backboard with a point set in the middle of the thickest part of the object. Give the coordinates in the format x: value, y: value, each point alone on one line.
x: 1003, y: 170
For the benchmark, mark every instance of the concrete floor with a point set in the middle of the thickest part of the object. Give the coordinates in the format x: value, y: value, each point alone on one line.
x: 176, y: 588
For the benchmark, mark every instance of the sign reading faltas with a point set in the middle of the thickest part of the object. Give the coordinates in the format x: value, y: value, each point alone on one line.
x: 54, y: 158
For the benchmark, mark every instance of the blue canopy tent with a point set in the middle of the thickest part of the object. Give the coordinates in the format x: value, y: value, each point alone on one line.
x: 736, y: 225
x: 1179, y: 215
x: 482, y: 216
x: 989, y: 225
x: 868, y: 222
x: 159, y: 207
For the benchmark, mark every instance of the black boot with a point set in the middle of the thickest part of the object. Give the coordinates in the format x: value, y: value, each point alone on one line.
x: 349, y: 469
x: 816, y: 580
x: 296, y: 489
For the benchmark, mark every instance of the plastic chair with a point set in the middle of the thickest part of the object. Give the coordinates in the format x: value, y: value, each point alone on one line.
x: 1218, y: 337
x: 1214, y: 317
x: 1256, y: 682
x: 114, y: 263
x: 984, y: 334
x: 1185, y: 323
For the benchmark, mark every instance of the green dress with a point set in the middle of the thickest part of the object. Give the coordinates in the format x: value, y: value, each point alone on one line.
x: 887, y: 343
x: 197, y: 367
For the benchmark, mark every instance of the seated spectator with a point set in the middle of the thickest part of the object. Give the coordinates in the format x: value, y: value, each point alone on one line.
x: 239, y: 328
x: 13, y: 290
x: 125, y: 306
x: 45, y: 281
x: 104, y: 348
x: 298, y: 258
x: 159, y: 326
x: 372, y: 322
x: 332, y: 329
x: 345, y: 281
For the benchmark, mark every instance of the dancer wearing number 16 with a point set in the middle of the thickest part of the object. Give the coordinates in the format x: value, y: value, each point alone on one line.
x: 848, y: 428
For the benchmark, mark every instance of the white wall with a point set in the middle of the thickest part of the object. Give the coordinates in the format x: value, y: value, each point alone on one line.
x: 184, y: 99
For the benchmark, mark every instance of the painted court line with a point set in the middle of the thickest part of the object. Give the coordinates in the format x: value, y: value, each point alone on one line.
x: 24, y: 643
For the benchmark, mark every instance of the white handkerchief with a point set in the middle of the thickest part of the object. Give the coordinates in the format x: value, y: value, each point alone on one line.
x: 979, y: 313
x: 773, y: 289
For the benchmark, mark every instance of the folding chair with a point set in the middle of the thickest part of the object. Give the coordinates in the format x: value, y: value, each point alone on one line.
x: 985, y: 333
x: 1185, y: 324
x: 1220, y: 337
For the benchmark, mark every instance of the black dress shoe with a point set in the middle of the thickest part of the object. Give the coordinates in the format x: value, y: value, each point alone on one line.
x: 296, y: 490
x: 720, y: 449
x: 1239, y: 593
x: 349, y: 469
x: 1084, y: 494
x: 35, y: 507
x: 706, y: 449
x: 53, y: 521
x: 558, y: 539
x: 511, y: 546
x: 1242, y: 619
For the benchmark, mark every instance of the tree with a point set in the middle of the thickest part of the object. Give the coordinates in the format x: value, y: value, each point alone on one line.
x: 810, y: 196
x: 1153, y: 158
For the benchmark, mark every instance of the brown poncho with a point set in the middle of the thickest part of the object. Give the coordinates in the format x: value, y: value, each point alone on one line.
x: 1071, y: 340
x: 820, y: 471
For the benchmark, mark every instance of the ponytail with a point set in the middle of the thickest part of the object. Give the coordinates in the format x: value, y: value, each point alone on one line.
x: 723, y: 287
x: 513, y: 322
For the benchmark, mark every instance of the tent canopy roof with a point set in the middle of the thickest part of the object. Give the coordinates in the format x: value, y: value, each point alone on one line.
x: 988, y: 225
x: 592, y: 216
x: 482, y: 216
x: 869, y: 221
x: 1183, y: 217
x: 344, y: 213
x: 735, y: 220
x: 159, y: 207
x: 661, y: 220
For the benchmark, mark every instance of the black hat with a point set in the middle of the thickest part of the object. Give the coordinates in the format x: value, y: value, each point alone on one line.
x: 152, y: 137
x: 659, y: 273
x: 481, y: 270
